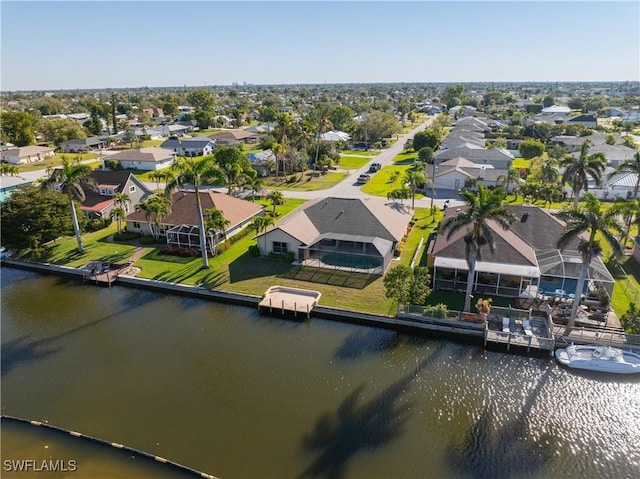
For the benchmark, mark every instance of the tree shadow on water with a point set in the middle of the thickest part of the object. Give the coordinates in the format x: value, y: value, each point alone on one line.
x: 23, y: 349
x: 503, y: 451
x: 366, y: 341
x: 355, y: 427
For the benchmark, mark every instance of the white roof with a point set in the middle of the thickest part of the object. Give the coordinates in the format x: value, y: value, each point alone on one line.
x: 487, y: 267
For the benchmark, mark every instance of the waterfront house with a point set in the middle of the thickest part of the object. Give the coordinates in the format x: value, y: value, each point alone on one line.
x: 99, y: 201
x: 197, y: 146
x: 181, y: 226
x: 26, y: 154
x: 353, y: 233
x: 148, y: 159
x: 526, y: 258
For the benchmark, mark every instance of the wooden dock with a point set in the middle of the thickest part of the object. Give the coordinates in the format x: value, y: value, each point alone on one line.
x: 284, y: 300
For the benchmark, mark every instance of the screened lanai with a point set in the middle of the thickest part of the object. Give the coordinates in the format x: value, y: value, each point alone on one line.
x: 185, y: 236
x: 559, y: 270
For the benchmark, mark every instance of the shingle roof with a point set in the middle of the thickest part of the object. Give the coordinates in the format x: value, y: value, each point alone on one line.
x: 534, y: 230
x: 371, y: 217
x: 183, y: 208
x: 147, y: 155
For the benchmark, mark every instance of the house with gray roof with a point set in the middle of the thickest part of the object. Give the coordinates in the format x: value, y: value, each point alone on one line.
x: 452, y: 175
x: 360, y: 234
x: 196, y: 146
x: 83, y: 144
x: 26, y: 154
x: 496, y: 157
x: 526, y: 259
x: 148, y: 159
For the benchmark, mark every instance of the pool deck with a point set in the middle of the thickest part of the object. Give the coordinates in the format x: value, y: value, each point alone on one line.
x: 282, y: 299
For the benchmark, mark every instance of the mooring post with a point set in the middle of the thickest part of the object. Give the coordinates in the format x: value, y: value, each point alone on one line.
x: 270, y: 307
x: 283, y: 307
x: 295, y: 309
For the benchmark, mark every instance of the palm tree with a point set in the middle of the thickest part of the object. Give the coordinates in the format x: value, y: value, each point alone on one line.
x: 119, y: 215
x: 549, y: 172
x: 156, y: 176
x: 155, y: 208
x: 189, y: 171
x: 276, y: 198
x: 630, y: 166
x: 277, y: 149
x: 256, y: 183
x: 593, y: 220
x: 216, y: 224
x: 505, y: 180
x: 578, y: 170
x: 628, y: 210
x: 121, y: 200
x: 324, y: 123
x: 72, y: 178
x: 415, y: 178
x: 260, y: 223
x: 482, y: 206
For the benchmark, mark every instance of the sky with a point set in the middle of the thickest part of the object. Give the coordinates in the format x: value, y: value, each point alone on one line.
x: 81, y: 45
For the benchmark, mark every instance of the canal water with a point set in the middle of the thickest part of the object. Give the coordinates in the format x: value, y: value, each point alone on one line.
x: 228, y: 392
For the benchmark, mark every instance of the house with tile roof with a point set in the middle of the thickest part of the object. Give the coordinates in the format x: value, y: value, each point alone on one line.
x: 181, y: 226
x: 526, y: 258
x: 356, y: 233
x: 148, y: 159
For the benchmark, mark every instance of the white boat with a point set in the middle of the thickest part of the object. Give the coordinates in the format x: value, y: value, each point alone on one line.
x: 599, y: 358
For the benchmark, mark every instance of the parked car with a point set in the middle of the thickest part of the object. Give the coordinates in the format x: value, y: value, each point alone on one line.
x: 374, y: 167
x: 363, y: 178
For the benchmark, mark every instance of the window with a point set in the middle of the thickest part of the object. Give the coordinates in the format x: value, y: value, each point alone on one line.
x: 132, y: 189
x: 136, y: 225
x: 279, y: 247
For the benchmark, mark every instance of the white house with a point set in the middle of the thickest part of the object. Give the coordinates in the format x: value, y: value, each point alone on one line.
x: 149, y: 159
x: 197, y: 146
x: 26, y: 154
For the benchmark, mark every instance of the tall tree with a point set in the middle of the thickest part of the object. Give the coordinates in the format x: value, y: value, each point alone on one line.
x: 415, y: 178
x: 18, y: 128
x: 216, y: 225
x: 578, y: 170
x: 276, y: 198
x: 511, y: 176
x: 483, y: 206
x: 196, y: 173
x: 595, y: 221
x: 71, y: 179
x: 119, y: 215
x: 31, y: 218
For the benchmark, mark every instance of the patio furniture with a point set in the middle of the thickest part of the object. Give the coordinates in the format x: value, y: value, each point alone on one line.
x: 505, y: 325
x: 526, y: 326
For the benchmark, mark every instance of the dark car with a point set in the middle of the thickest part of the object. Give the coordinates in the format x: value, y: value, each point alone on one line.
x: 374, y: 167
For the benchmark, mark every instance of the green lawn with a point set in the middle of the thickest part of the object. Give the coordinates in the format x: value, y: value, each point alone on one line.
x: 56, y: 160
x: 320, y: 182
x: 383, y: 181
x: 521, y: 163
x: 64, y: 250
x: 353, y: 162
x: 359, y: 152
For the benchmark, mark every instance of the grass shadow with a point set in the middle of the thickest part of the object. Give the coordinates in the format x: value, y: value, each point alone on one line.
x: 333, y: 277
x: 248, y: 267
